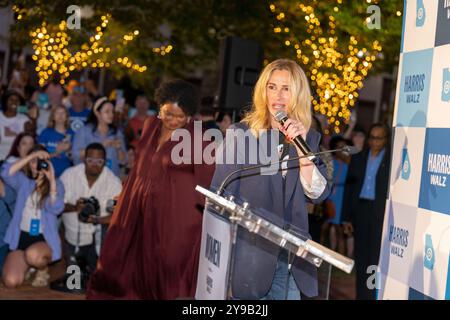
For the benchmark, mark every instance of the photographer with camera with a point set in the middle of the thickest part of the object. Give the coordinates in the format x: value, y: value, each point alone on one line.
x: 32, y: 235
x: 88, y: 186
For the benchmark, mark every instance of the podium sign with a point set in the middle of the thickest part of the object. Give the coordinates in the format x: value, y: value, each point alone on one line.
x: 221, y: 219
x: 215, y: 252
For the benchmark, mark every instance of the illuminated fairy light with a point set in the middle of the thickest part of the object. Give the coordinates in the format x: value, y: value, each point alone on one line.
x: 50, y: 45
x: 336, y: 76
x: 21, y: 13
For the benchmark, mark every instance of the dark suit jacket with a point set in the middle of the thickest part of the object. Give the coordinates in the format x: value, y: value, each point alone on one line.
x: 255, y: 257
x: 354, y: 183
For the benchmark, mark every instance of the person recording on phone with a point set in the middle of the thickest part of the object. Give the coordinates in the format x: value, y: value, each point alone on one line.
x: 21, y: 147
x: 261, y: 269
x: 89, y: 186
x: 32, y: 235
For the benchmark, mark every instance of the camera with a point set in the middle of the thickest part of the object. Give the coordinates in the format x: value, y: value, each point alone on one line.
x: 42, y: 164
x: 91, y: 208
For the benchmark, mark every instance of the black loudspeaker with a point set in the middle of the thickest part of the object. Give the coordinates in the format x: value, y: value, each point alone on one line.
x: 241, y: 62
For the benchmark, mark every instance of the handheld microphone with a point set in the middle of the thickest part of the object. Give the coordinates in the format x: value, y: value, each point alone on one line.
x: 350, y: 150
x: 281, y: 117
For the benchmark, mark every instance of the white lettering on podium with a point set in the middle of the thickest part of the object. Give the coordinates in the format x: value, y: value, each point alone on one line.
x: 213, y: 250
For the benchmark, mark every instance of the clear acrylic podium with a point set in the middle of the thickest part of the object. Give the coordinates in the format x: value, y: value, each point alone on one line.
x: 240, y: 214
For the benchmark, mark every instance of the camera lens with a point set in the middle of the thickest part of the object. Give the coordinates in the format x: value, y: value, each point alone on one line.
x: 42, y: 165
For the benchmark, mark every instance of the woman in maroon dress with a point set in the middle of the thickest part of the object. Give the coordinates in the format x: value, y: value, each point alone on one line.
x: 151, y: 250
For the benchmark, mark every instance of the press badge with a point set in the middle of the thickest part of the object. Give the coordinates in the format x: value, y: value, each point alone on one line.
x: 34, y: 227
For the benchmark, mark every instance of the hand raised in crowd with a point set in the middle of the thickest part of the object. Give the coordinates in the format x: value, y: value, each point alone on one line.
x: 49, y: 172
x: 43, y: 155
x: 19, y: 164
x: 63, y: 146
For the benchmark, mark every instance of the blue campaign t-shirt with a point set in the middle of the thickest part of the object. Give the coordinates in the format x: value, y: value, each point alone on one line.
x: 50, y: 138
x: 78, y: 119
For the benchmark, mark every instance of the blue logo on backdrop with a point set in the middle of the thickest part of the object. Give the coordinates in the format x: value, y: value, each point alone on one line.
x: 414, y: 88
x: 406, y: 165
x: 420, y: 14
x: 428, y: 258
x: 446, y: 85
x: 435, y: 183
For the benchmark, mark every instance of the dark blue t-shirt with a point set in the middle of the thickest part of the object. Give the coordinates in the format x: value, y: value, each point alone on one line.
x: 50, y: 138
x: 78, y: 119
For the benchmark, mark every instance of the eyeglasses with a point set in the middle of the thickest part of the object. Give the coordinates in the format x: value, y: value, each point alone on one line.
x: 371, y: 137
x: 96, y: 161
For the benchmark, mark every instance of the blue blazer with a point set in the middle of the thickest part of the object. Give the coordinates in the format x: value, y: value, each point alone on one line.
x: 255, y: 257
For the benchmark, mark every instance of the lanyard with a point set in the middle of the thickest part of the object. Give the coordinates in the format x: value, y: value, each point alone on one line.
x: 35, y: 204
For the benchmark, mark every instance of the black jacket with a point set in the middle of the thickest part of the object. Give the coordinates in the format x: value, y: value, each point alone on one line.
x: 355, y: 181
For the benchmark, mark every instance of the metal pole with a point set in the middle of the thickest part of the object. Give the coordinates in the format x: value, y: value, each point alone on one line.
x: 233, y: 230
x: 327, y: 296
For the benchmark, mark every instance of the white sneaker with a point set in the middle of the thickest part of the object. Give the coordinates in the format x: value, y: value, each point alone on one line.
x: 41, y: 278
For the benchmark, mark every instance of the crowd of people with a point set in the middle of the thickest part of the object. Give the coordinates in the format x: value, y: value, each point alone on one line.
x: 68, y: 152
x: 87, y: 149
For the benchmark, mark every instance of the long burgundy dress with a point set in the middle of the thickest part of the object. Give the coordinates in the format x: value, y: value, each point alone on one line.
x: 151, y: 249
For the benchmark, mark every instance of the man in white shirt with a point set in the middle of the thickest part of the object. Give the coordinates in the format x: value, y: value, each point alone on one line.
x: 88, y: 179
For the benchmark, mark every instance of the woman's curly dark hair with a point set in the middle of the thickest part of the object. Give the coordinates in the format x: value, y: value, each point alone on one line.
x: 178, y: 91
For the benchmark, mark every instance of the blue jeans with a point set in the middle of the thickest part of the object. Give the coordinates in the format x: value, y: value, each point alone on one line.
x: 283, y: 285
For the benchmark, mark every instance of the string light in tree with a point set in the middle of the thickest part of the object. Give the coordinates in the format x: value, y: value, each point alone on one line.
x: 19, y: 13
x: 336, y: 76
x: 50, y: 44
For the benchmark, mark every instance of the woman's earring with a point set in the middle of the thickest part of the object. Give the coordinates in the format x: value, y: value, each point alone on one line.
x: 159, y: 116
